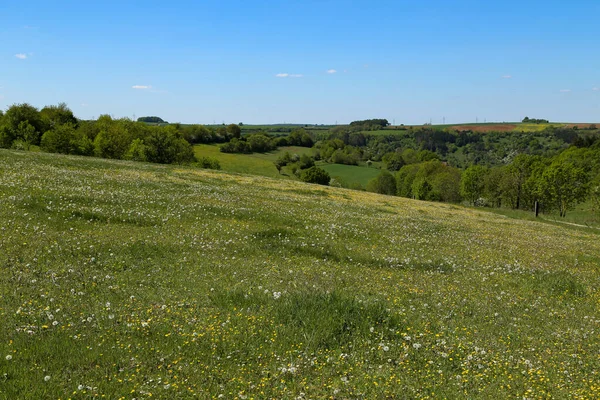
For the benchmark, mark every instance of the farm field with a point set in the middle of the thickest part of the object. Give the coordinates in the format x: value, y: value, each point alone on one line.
x: 133, y: 280
x: 255, y: 164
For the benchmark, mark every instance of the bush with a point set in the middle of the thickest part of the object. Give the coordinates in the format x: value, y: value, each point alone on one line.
x: 315, y: 175
x: 209, y: 163
x: 165, y: 147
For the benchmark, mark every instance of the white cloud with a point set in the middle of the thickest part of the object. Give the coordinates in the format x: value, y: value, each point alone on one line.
x: 596, y: 89
x: 21, y: 56
x: 331, y: 71
x: 286, y: 75
x: 84, y: 104
x: 142, y: 87
x: 565, y: 90
x: 282, y: 75
x: 506, y: 76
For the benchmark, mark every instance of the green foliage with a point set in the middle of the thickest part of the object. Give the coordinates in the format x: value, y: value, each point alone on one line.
x: 384, y: 183
x: 393, y: 161
x: 315, y: 175
x: 562, y: 185
x: 137, y: 151
x: 260, y: 143
x: 472, y: 184
x: 236, y: 146
x: 528, y: 120
x: 164, y: 146
x: 112, y: 142
x: 152, y: 120
x: 60, y: 139
x: 60, y: 114
x: 15, y: 117
x: 234, y: 131
x: 208, y: 163
x: 306, y: 162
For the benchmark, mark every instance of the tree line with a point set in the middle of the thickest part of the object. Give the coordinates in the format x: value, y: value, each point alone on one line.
x: 55, y: 129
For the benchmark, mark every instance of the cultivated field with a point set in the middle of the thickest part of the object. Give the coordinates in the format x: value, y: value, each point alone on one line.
x: 130, y: 280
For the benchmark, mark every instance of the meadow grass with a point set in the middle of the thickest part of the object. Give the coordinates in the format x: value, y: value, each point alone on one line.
x: 254, y: 164
x: 351, y: 173
x: 127, y: 280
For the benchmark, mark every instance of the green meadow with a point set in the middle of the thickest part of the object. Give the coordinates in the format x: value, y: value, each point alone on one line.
x: 351, y: 173
x: 255, y: 164
x: 125, y: 280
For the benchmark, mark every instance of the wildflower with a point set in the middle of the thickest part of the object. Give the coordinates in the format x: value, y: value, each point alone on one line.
x: 417, y: 346
x: 386, y: 348
x: 276, y: 295
x: 46, y: 378
x: 8, y: 357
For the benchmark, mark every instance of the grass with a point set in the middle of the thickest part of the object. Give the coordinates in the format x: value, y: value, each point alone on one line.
x: 255, y: 164
x: 131, y: 280
x: 351, y: 173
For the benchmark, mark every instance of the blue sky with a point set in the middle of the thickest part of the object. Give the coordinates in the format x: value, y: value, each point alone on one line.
x: 305, y: 61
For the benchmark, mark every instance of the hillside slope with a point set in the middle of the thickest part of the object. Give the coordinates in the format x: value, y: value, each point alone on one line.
x: 138, y: 280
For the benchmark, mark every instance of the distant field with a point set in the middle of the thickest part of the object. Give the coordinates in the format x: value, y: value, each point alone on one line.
x: 351, y: 173
x: 123, y: 280
x: 490, y: 127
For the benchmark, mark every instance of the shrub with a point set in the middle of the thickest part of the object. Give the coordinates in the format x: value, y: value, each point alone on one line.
x: 315, y: 175
x: 209, y: 163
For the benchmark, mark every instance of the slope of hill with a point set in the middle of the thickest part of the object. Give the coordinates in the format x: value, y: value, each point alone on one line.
x: 124, y: 279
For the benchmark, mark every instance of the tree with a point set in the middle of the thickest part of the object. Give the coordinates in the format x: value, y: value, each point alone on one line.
x: 315, y: 175
x: 393, y: 161
x: 517, y: 173
x: 279, y: 164
x: 61, y: 139
x: 18, y: 113
x: 493, y: 185
x: 472, y: 183
x: 562, y: 186
x: 136, y: 151
x: 57, y: 115
x: 384, y: 183
x: 151, y: 120
x: 234, y: 130
x: 164, y: 146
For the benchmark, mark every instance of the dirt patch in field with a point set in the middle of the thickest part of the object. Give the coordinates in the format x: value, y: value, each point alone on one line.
x: 581, y: 125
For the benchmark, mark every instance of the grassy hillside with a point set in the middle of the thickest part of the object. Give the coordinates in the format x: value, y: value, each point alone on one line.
x: 126, y: 280
x: 255, y: 164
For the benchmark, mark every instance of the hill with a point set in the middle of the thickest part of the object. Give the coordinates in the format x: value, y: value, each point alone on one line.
x: 123, y: 279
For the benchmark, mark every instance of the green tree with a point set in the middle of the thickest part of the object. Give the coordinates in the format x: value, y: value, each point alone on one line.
x: 57, y: 115
x: 136, y: 151
x: 315, y: 175
x: 393, y: 161
x: 60, y: 139
x: 18, y: 113
x: 472, y: 183
x: 384, y: 183
x: 234, y: 130
x: 563, y: 185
